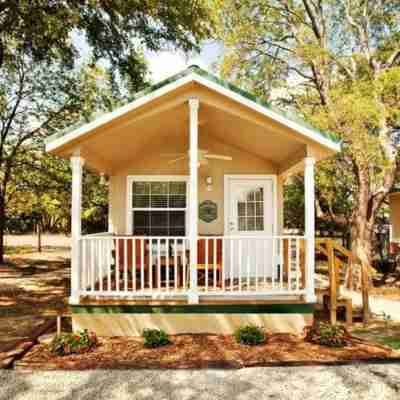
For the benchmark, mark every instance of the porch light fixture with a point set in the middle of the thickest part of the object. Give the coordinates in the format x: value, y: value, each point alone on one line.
x: 209, y: 183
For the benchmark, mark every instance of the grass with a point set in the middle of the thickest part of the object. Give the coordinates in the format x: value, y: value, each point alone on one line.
x: 18, y: 250
x: 383, y: 332
x: 393, y: 342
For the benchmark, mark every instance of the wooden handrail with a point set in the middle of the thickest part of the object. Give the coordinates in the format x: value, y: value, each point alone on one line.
x: 328, y: 247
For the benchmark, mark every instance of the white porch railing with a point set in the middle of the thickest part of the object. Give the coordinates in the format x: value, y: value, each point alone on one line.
x: 130, y: 267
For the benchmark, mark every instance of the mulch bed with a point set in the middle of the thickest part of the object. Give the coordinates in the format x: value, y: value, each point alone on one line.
x: 206, y: 351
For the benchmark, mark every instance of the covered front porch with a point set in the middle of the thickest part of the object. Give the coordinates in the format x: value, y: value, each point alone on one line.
x: 194, y: 229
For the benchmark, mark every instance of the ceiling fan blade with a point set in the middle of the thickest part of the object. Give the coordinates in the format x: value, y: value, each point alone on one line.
x: 169, y: 155
x: 177, y: 159
x: 218, y: 157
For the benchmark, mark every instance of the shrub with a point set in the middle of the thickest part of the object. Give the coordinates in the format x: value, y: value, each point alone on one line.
x: 73, y: 343
x: 328, y: 335
x: 250, y: 335
x: 155, y: 338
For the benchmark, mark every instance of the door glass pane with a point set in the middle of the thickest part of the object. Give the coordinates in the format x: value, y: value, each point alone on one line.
x: 250, y: 209
x: 259, y: 209
x: 259, y: 224
x: 250, y: 224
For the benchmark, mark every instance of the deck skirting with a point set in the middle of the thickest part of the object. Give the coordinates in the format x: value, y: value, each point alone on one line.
x: 130, y: 320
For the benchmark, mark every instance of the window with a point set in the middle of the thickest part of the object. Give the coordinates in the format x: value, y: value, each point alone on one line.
x: 250, y: 210
x: 158, y: 206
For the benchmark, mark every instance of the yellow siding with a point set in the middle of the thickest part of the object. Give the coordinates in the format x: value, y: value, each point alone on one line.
x: 153, y: 163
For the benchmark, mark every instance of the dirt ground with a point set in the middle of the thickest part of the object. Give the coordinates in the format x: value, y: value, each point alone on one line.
x: 48, y: 240
x: 33, y: 289
x: 204, y: 351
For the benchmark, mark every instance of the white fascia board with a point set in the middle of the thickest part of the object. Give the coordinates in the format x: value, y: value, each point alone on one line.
x: 85, y: 129
x: 269, y: 113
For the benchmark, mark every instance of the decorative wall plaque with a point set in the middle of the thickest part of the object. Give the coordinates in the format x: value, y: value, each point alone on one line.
x: 208, y: 211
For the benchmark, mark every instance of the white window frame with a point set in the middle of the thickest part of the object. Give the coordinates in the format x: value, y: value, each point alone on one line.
x: 153, y: 178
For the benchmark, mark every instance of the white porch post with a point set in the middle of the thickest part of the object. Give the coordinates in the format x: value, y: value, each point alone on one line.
x: 193, y: 199
x: 309, y: 226
x: 76, y: 226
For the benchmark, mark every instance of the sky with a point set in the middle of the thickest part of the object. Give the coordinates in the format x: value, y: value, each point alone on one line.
x: 163, y: 64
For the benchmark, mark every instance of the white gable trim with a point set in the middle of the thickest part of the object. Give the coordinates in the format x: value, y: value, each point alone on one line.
x: 193, y: 77
x: 268, y: 113
x: 83, y: 130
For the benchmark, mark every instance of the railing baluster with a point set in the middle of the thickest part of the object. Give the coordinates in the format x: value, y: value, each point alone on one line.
x: 117, y: 265
x: 222, y: 269
x: 240, y: 263
x: 92, y: 249
x: 206, y: 266
x: 282, y: 261
x: 100, y: 262
x: 167, y: 263
x: 231, y: 262
x: 152, y: 262
x: 289, y: 266
x: 273, y: 263
x: 175, y: 264
x: 159, y: 263
x: 215, y: 263
x: 109, y: 250
x: 125, y: 245
x: 133, y: 267
x: 297, y: 263
x: 83, y: 265
x: 184, y: 263
x: 248, y: 261
x: 256, y: 262
x: 142, y: 246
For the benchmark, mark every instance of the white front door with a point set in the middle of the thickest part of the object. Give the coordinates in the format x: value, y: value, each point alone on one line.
x: 250, y: 214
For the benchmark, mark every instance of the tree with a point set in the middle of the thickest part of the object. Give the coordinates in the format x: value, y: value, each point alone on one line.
x: 39, y: 194
x: 36, y: 100
x: 42, y: 91
x: 339, y: 61
x: 114, y: 30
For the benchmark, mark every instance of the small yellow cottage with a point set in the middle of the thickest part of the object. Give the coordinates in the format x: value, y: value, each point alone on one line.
x: 195, y: 239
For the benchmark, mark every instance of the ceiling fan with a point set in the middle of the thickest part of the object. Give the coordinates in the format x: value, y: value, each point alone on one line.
x: 203, y: 157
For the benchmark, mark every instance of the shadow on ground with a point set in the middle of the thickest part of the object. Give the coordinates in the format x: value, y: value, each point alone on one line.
x: 33, y: 289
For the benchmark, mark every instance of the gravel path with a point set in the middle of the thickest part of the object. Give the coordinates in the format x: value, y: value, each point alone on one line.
x: 328, y: 383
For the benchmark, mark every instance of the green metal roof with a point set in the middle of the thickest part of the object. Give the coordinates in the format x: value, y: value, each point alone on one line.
x: 202, y: 73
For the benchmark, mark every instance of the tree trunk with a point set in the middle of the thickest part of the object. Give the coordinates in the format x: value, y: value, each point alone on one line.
x: 2, y: 230
x: 39, y: 237
x: 362, y: 233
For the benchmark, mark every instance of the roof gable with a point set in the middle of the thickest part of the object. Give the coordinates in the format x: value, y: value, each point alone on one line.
x: 195, y: 73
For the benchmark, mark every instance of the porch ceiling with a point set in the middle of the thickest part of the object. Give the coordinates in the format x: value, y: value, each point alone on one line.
x: 164, y: 122
x: 120, y: 145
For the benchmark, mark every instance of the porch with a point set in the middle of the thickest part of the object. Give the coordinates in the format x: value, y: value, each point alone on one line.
x: 206, y: 224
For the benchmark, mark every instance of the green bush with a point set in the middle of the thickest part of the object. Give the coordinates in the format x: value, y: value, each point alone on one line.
x: 155, y: 338
x: 328, y: 335
x: 73, y: 343
x: 250, y: 335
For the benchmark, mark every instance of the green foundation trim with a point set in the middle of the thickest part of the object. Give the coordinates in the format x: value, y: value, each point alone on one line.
x: 196, y: 309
